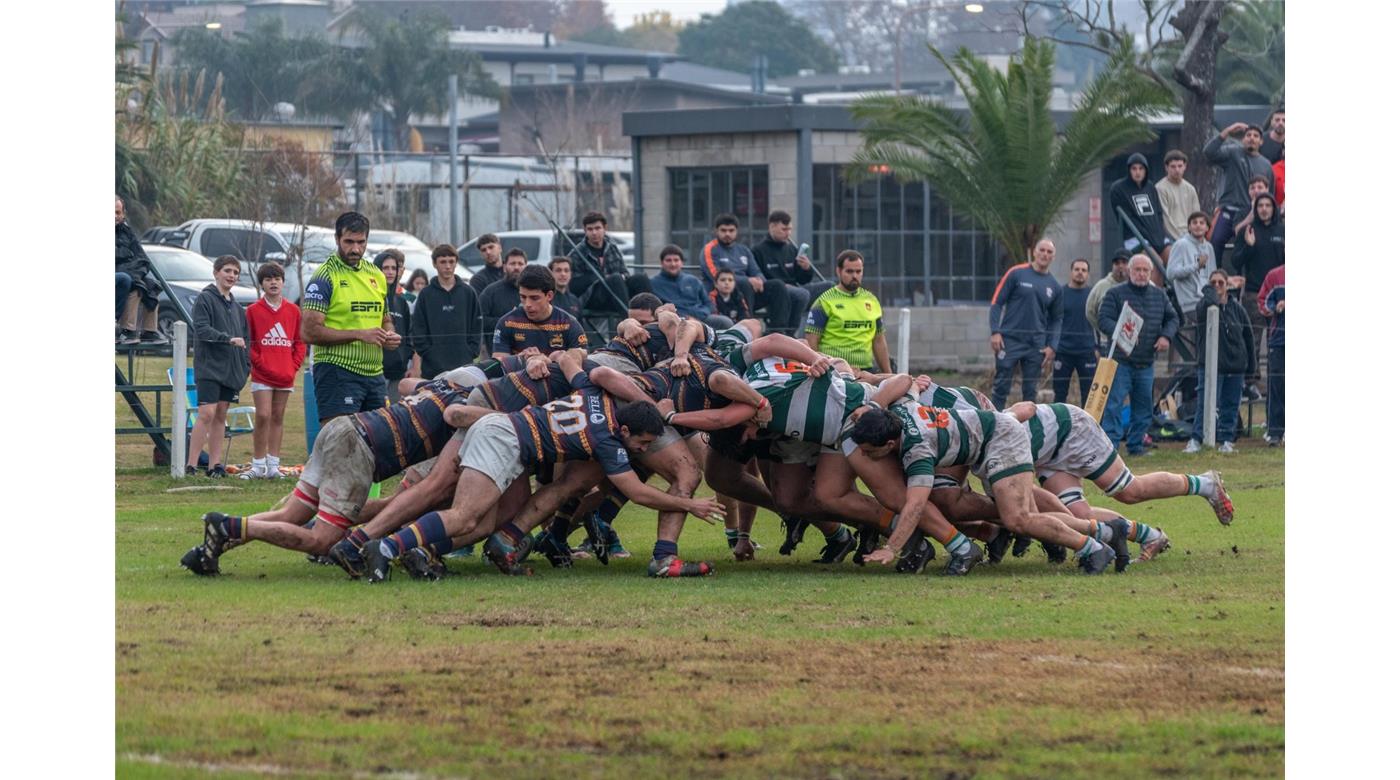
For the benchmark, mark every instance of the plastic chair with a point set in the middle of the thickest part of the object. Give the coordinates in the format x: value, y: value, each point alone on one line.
x: 232, y: 427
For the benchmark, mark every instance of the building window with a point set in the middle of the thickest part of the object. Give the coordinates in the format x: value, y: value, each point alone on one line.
x: 917, y: 250
x: 519, y: 79
x: 698, y: 195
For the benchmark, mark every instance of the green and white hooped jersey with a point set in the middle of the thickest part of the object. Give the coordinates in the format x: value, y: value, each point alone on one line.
x: 806, y: 408
x: 951, y: 398
x: 951, y: 437
x: 1049, y: 429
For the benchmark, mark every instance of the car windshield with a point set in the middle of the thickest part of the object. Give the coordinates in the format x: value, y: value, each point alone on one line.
x: 180, y: 266
x: 319, y: 242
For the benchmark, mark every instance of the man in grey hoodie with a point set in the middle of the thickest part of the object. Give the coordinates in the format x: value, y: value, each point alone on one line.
x: 1189, y: 268
x: 220, y: 363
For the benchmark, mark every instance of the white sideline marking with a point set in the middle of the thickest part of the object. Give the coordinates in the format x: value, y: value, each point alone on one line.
x: 1253, y: 671
x: 265, y: 769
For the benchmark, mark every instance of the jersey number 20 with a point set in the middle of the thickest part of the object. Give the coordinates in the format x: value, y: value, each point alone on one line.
x: 566, y: 415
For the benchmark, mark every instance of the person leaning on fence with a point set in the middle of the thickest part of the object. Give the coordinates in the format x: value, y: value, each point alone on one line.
x: 344, y: 318
x: 597, y: 256
x: 275, y: 350
x: 1026, y: 314
x: 447, y: 320
x: 400, y: 362
x: 1234, y: 357
x: 685, y: 292
x: 142, y: 299
x: 220, y: 363
x: 1270, y: 302
x: 1133, y: 380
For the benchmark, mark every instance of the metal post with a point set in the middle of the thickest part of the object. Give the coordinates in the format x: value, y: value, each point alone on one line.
x: 905, y: 327
x: 178, y: 414
x: 455, y: 200
x: 1207, y: 404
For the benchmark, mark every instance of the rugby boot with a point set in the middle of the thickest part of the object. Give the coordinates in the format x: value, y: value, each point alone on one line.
x: 673, y: 566
x: 594, y: 527
x: 867, y: 539
x: 996, y: 548
x: 1220, y: 500
x: 1054, y: 553
x: 347, y: 556
x: 198, y: 564
x: 837, y: 549
x: 793, y: 530
x: 1121, y: 556
x: 1155, y: 547
x: 558, y: 555
x: 1097, y: 561
x: 507, y: 556
x: 422, y: 564
x: 915, y: 556
x: 376, y: 562
x: 216, y: 537
x: 960, y: 565
x: 1019, y: 547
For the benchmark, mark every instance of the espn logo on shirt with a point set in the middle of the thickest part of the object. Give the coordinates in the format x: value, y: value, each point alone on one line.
x: 362, y: 306
x: 276, y: 336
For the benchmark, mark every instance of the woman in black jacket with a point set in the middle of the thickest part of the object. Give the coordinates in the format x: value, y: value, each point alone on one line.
x: 397, y: 362
x: 1234, y: 359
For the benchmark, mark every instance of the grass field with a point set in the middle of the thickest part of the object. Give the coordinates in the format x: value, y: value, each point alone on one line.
x: 771, y: 668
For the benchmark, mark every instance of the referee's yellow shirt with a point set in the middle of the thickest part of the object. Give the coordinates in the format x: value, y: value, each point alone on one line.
x: 847, y: 323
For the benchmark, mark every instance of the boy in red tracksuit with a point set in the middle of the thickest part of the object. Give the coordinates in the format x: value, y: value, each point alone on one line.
x: 276, y: 350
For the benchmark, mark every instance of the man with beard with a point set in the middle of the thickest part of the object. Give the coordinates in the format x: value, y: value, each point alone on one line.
x: 503, y: 295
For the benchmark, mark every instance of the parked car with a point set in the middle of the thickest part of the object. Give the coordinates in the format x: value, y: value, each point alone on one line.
x: 255, y: 243
x: 535, y: 243
x: 187, y: 273
x: 416, y: 254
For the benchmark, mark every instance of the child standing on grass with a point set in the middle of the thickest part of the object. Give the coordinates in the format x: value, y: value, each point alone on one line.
x: 276, y: 352
x: 220, y: 363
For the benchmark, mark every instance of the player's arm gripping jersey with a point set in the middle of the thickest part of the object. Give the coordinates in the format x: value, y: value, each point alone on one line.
x: 351, y: 299
x: 410, y: 431
x: 579, y: 426
x: 809, y: 408
x: 516, y: 390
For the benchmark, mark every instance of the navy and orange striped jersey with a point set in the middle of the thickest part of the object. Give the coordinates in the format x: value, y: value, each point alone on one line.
x: 517, y: 390
x: 580, y: 426
x: 410, y: 431
x: 654, y: 350
x: 690, y: 393
x: 515, y: 332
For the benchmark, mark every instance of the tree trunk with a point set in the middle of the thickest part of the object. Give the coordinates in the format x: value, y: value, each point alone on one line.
x: 1199, y: 25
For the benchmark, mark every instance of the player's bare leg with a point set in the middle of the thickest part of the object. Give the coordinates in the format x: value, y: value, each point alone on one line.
x: 1120, y: 483
x: 1015, y: 500
x: 1068, y: 488
x: 886, y: 480
x: 477, y: 494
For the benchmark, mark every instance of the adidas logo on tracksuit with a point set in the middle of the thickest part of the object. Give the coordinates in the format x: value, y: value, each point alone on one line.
x: 276, y: 336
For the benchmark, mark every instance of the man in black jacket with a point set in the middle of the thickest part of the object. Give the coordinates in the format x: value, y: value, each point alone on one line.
x: 504, y: 294
x: 490, y: 248
x: 143, y: 297
x: 597, y: 255
x: 1134, y: 376
x: 1136, y: 197
x: 777, y: 256
x: 1234, y: 358
x: 398, y: 362
x: 446, y: 318
x: 1259, y: 252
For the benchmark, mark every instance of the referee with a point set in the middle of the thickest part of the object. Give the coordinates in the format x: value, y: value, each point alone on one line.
x: 846, y: 322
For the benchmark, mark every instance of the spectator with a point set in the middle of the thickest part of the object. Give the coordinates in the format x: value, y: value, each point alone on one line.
x: 491, y: 272
x: 1260, y: 252
x: 563, y: 270
x: 447, y: 320
x: 123, y: 290
x: 1135, y: 196
x: 1278, y: 184
x: 400, y: 362
x: 1116, y: 276
x: 1235, y: 356
x: 1272, y: 145
x: 220, y: 363
x: 1238, y: 163
x: 777, y: 257
x: 600, y: 278
x: 143, y: 291
x: 536, y: 325
x: 1133, y: 381
x: 727, y: 301
x: 1270, y: 301
x: 1177, y: 196
x: 1078, y: 349
x: 416, y: 282
x: 1026, y: 314
x: 685, y: 292
x: 275, y: 352
x: 846, y: 321
x: 343, y: 317
x: 1258, y: 185
x: 1189, y: 269
x: 724, y: 251
x: 504, y: 293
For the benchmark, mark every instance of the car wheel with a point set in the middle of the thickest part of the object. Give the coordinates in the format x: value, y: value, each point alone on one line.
x: 165, y: 321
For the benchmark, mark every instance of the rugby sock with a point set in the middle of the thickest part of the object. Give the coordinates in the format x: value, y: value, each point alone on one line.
x: 957, y: 544
x: 512, y: 532
x: 563, y: 521
x: 1200, y: 485
x: 274, y: 464
x: 1100, y: 531
x: 234, y: 527
x: 663, y: 550
x: 1142, y: 533
x: 358, y: 537
x: 259, y: 466
x: 731, y: 535
x: 426, y: 531
x: 839, y: 533
x: 1090, y: 547
x: 887, y: 519
x: 612, y: 506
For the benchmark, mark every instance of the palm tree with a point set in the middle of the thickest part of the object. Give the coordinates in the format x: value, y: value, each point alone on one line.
x: 1250, y: 70
x: 1002, y: 160
x: 401, y: 68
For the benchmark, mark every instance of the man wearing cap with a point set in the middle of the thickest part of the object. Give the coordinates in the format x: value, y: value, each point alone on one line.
x: 1117, y: 275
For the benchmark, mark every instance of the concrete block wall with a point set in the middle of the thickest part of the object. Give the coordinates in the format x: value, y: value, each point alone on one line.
x: 944, y: 337
x: 778, y: 151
